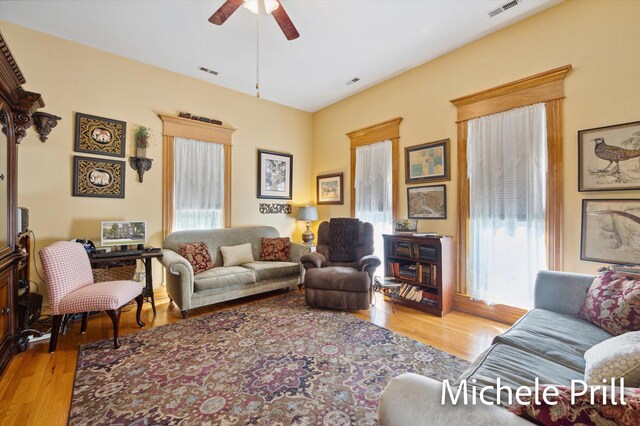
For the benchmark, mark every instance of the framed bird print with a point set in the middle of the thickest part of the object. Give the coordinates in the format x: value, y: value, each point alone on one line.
x: 609, y: 158
x: 275, y: 175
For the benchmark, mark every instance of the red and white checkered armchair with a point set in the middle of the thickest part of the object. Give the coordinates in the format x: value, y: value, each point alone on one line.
x: 71, y: 289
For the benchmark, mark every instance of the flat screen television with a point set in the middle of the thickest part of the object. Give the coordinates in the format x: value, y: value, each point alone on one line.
x: 118, y: 233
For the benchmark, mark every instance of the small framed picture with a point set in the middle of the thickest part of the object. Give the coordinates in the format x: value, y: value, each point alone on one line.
x: 428, y: 162
x: 275, y: 175
x: 99, y: 135
x: 427, y: 202
x: 329, y: 189
x: 96, y: 177
x: 611, y: 231
x: 609, y: 158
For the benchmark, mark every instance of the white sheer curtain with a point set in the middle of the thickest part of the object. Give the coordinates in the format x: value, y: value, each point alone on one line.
x: 373, y: 185
x: 507, y: 168
x: 198, y: 179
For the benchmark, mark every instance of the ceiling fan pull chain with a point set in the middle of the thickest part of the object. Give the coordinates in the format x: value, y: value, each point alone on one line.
x: 258, y: 55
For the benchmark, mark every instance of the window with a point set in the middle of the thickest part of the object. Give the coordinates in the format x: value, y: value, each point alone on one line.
x: 196, y: 175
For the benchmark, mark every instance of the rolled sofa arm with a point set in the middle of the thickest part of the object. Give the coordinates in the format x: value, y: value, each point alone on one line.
x: 297, y: 251
x: 413, y: 400
x: 179, y: 278
x: 313, y: 260
x: 561, y: 292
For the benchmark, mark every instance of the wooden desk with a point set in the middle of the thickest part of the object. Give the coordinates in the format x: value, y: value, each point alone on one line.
x: 146, y: 258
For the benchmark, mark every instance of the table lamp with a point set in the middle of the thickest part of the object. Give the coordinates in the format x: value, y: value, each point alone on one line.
x: 308, y: 214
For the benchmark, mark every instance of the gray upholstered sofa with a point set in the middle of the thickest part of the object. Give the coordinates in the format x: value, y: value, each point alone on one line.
x: 549, y: 342
x: 224, y: 283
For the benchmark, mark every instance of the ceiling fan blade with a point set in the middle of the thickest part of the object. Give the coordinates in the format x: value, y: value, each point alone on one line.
x: 225, y: 11
x: 285, y: 23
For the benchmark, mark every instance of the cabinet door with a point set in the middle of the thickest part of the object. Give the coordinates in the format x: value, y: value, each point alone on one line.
x: 5, y: 309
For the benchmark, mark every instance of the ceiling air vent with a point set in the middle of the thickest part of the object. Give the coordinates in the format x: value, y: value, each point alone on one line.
x: 353, y: 80
x: 504, y: 8
x: 207, y: 70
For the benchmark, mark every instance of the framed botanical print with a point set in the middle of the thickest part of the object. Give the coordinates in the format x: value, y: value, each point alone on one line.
x: 97, y: 177
x: 275, y: 175
x: 609, y: 158
x: 427, y: 202
x: 99, y: 135
x: 329, y: 189
x: 611, y: 231
x: 428, y: 162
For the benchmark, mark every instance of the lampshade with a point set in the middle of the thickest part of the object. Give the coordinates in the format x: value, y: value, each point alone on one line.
x: 308, y: 213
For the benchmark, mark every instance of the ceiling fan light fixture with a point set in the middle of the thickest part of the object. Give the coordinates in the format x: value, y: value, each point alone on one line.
x: 271, y: 5
x: 252, y: 5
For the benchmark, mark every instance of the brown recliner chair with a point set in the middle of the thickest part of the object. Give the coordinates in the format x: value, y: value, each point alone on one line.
x: 339, y: 274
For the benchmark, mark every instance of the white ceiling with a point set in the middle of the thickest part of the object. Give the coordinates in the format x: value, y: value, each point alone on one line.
x: 340, y: 39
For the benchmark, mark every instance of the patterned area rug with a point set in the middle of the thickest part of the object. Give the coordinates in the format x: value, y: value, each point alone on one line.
x: 272, y: 362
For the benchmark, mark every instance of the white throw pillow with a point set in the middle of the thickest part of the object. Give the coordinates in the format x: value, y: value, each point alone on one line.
x: 236, y: 255
x: 616, y: 357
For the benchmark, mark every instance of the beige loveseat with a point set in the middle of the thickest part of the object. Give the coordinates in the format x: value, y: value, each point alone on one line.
x: 224, y: 283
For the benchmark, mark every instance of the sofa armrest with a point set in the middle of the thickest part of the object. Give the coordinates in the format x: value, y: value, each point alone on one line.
x: 561, y: 292
x: 369, y: 264
x: 313, y: 260
x: 413, y: 400
x: 297, y: 251
x: 179, y: 279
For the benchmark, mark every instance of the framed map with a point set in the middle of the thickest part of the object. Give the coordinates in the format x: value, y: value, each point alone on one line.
x: 611, y: 231
x: 427, y: 202
x: 99, y: 135
x: 275, y: 175
x: 96, y: 177
x: 428, y: 162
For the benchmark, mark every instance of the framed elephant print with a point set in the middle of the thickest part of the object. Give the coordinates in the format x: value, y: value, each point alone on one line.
x: 97, y: 177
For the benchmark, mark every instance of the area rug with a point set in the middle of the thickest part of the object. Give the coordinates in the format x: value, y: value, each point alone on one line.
x: 272, y: 362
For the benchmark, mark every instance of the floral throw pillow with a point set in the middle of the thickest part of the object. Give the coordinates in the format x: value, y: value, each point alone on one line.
x: 613, y: 302
x: 275, y: 249
x: 197, y: 254
x: 582, y: 412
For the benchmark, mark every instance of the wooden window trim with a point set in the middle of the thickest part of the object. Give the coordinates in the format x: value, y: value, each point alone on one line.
x: 547, y: 87
x: 173, y: 127
x: 387, y: 130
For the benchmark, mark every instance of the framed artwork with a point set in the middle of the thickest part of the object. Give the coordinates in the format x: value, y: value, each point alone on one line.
x: 275, y: 175
x: 428, y: 162
x: 611, y: 231
x: 99, y: 135
x: 96, y: 177
x: 329, y: 189
x: 609, y: 158
x: 427, y: 202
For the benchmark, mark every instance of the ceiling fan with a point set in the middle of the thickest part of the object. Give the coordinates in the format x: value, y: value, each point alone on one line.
x: 273, y: 7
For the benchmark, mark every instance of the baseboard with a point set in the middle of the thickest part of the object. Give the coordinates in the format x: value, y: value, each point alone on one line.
x: 502, y: 313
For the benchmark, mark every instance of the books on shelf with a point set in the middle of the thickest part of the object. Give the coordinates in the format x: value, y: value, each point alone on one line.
x: 418, y: 294
x: 425, y: 274
x: 402, y: 248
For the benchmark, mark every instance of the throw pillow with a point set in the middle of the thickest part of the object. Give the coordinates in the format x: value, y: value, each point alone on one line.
x: 275, y: 249
x: 197, y: 254
x: 616, y: 357
x: 613, y: 302
x: 237, y: 255
x: 582, y: 412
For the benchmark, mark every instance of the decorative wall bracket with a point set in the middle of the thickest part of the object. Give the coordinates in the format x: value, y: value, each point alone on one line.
x: 275, y: 208
x: 140, y: 165
x: 44, y: 122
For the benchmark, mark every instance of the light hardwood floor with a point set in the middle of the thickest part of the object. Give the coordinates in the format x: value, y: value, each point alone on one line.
x: 36, y: 387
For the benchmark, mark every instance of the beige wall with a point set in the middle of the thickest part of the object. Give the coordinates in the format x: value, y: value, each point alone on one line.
x: 74, y: 78
x: 599, y: 38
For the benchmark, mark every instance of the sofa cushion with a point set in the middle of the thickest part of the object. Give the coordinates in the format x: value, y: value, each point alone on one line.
x: 559, y: 338
x: 270, y: 270
x: 277, y: 249
x: 337, y: 278
x: 197, y: 254
x: 617, y: 357
x: 236, y: 255
x: 223, y: 276
x: 613, y: 302
x: 515, y: 368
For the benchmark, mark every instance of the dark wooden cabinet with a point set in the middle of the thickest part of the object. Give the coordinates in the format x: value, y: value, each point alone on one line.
x: 16, y: 109
x: 424, y: 266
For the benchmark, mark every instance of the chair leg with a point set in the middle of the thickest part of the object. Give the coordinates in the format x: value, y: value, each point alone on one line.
x: 83, y: 328
x: 55, y: 329
x: 139, y: 301
x: 115, y: 317
x: 184, y: 313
